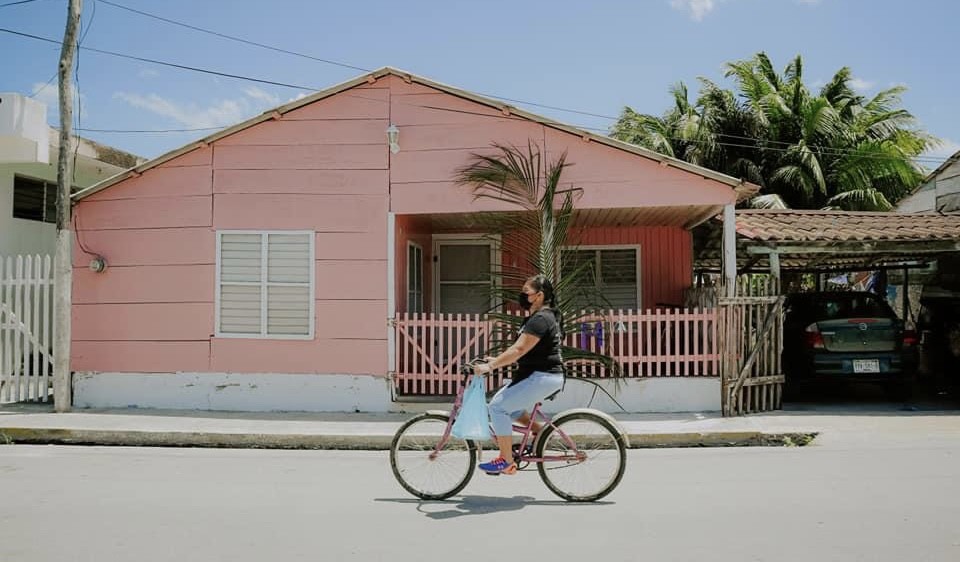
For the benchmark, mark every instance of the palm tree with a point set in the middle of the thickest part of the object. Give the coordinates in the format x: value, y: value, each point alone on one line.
x: 537, y: 231
x: 835, y: 149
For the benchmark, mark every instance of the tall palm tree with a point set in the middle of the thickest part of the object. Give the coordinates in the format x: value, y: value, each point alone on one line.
x: 833, y: 149
x: 536, y: 231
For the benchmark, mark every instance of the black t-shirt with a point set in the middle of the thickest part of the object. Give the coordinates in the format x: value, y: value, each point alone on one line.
x: 545, y: 356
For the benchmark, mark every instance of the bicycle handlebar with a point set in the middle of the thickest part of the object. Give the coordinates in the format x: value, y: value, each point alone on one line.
x: 467, y: 368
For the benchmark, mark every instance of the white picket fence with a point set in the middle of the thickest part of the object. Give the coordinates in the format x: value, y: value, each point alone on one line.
x: 26, y: 328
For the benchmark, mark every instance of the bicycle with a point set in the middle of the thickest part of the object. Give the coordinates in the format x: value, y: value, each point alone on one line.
x: 581, y: 444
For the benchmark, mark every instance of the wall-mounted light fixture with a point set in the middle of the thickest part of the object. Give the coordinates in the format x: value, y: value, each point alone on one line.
x: 393, y: 138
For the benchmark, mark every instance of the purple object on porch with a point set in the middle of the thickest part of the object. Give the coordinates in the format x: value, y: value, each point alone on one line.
x: 583, y: 335
x: 599, y: 333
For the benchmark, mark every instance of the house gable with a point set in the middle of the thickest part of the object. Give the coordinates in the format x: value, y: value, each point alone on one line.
x: 357, y: 112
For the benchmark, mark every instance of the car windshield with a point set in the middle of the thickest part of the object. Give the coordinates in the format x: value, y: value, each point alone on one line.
x: 829, y: 307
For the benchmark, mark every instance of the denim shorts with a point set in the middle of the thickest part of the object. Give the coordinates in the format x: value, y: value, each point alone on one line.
x: 511, y: 401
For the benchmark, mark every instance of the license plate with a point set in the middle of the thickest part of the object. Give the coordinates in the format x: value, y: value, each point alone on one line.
x: 866, y: 365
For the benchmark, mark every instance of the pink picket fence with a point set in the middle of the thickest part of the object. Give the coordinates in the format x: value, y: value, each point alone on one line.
x: 652, y: 343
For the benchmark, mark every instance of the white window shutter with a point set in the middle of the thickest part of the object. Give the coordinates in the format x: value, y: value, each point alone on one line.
x: 265, y: 284
x: 240, y: 256
x: 288, y: 258
x: 288, y: 310
x: 240, y: 309
x: 289, y: 264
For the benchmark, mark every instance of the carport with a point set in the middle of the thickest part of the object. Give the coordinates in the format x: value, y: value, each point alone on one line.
x: 788, y: 243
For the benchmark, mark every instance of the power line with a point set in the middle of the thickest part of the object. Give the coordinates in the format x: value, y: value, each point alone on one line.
x: 824, y: 150
x: 234, y: 38
x: 333, y: 62
x: 76, y: 79
x: 345, y: 65
x: 263, y: 81
x: 170, y: 64
x: 16, y: 3
x: 198, y: 129
x: 501, y: 117
x: 839, y: 152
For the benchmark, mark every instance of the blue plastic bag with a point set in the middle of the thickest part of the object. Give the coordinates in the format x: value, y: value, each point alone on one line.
x: 473, y: 420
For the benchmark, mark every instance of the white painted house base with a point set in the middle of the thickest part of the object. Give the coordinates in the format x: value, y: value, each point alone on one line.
x: 641, y: 396
x: 269, y: 392
x: 637, y: 396
x: 274, y: 392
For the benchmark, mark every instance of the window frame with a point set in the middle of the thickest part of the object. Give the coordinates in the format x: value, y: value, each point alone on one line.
x: 265, y: 284
x: 418, y: 249
x: 596, y: 247
x: 49, y: 188
x: 465, y: 239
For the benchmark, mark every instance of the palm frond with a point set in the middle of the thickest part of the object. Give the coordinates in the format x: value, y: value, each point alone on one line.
x: 769, y: 201
x: 861, y: 200
x: 537, y: 231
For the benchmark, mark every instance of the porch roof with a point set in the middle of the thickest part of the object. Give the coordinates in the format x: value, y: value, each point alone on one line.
x: 832, y: 240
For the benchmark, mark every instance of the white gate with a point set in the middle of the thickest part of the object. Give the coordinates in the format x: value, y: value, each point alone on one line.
x: 26, y: 328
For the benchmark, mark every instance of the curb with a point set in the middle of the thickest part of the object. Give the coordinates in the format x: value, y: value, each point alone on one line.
x: 121, y: 438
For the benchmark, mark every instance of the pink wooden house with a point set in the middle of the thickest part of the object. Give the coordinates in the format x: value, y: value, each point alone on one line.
x: 320, y: 257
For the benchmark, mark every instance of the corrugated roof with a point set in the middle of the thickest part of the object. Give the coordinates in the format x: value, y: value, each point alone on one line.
x: 743, y: 189
x: 946, y: 164
x: 841, y: 226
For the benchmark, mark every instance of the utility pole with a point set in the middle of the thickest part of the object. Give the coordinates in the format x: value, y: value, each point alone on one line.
x: 63, y: 263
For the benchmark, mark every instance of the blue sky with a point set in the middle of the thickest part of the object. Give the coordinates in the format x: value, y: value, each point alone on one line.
x: 592, y: 56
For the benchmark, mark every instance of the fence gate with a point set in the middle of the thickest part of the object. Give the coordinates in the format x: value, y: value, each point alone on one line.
x: 26, y: 309
x: 751, y: 326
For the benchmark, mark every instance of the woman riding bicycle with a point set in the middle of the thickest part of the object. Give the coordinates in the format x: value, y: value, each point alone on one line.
x: 539, y: 373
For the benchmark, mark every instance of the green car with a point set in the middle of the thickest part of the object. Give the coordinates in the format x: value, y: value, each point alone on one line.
x: 847, y: 337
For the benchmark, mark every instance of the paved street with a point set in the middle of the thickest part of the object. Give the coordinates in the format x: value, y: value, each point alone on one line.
x: 883, y: 494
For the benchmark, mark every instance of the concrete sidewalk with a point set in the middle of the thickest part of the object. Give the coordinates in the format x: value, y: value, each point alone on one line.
x: 38, y: 424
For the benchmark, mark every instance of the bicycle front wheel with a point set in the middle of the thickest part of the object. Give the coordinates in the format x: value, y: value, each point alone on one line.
x: 424, y: 470
x: 584, y: 456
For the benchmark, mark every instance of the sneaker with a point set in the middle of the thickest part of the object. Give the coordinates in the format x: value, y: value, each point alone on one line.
x: 498, y: 466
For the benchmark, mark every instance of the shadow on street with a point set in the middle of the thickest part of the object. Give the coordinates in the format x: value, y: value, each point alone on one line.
x: 480, y: 505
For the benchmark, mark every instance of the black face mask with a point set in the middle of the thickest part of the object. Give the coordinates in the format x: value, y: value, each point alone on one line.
x: 523, y: 301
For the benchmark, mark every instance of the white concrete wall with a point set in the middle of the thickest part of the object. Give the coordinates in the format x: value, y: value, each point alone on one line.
x: 637, y: 396
x: 646, y: 395
x: 19, y: 236
x: 232, y: 392
x: 23, y: 129
x: 923, y: 201
x: 351, y: 393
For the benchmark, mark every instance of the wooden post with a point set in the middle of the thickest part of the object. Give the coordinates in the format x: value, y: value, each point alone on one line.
x: 391, y: 302
x: 63, y: 274
x: 730, y: 249
x: 906, y: 294
x: 775, y: 266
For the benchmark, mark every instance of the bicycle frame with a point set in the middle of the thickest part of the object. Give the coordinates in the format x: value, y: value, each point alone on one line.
x: 526, y: 432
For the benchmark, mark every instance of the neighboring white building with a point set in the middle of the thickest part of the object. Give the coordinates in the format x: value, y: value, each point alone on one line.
x: 28, y: 174
x: 939, y: 192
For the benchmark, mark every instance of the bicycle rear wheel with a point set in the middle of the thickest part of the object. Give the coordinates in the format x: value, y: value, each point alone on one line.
x: 585, y: 454
x: 423, y: 470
